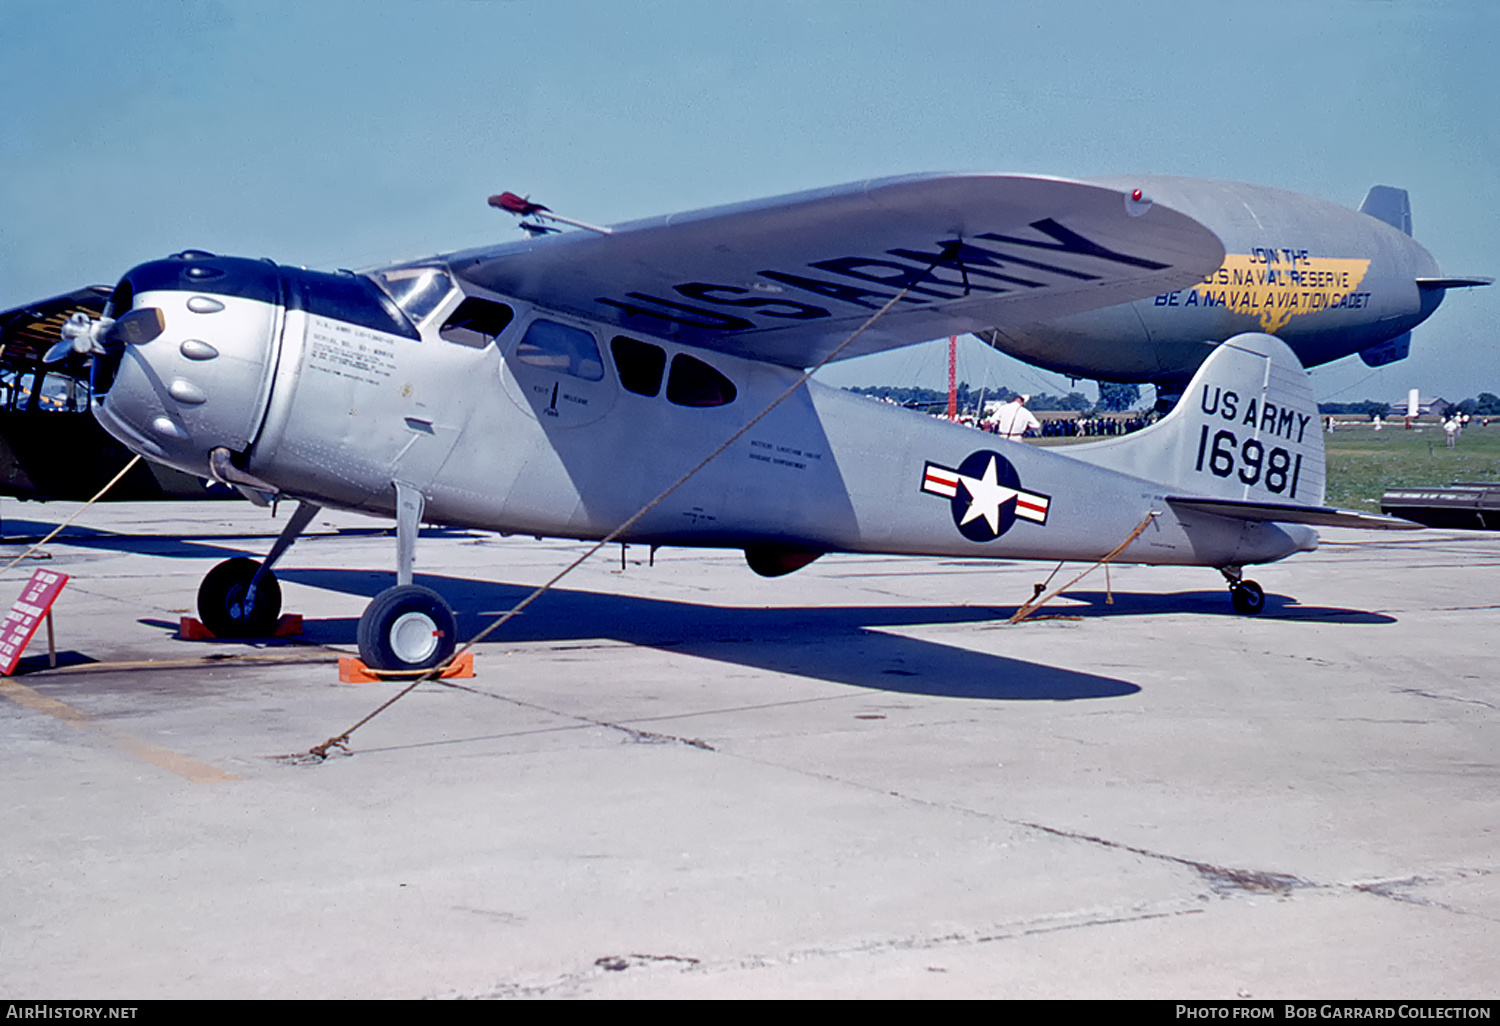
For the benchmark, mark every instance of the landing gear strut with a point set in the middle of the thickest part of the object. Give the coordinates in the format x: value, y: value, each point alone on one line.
x: 241, y: 598
x: 407, y: 627
x: 1247, y: 597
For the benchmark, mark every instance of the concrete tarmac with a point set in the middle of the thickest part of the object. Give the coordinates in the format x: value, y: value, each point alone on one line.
x: 683, y: 780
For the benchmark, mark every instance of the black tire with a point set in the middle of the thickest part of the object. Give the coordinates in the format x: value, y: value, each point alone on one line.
x: 407, y: 628
x: 1248, y: 598
x: 222, y: 606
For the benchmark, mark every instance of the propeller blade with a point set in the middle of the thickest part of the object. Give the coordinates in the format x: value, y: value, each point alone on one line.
x: 136, y: 327
x: 60, y: 351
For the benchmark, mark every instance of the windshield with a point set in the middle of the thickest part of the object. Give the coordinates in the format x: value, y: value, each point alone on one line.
x: 416, y: 290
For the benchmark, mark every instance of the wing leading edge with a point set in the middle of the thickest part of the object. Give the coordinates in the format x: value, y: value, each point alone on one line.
x: 788, y: 279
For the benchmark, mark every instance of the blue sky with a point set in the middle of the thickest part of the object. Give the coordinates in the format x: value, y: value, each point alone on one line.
x: 332, y: 133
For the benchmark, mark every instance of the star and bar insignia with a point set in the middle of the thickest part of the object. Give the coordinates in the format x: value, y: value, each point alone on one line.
x: 986, y: 495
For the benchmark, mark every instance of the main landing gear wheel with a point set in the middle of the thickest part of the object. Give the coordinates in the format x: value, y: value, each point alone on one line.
x: 1248, y: 597
x: 406, y: 628
x: 227, y: 607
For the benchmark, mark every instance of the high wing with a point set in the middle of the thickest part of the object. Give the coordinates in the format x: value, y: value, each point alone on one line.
x: 787, y: 280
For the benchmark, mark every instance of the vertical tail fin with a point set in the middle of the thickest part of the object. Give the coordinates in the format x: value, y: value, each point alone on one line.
x: 1388, y: 204
x: 1247, y: 429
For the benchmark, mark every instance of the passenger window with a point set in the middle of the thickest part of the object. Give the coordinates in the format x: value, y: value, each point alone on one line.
x: 476, y: 323
x: 561, y: 348
x: 694, y: 383
x: 640, y: 364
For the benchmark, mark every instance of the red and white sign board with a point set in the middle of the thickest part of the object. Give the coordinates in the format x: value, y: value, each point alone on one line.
x: 27, y: 615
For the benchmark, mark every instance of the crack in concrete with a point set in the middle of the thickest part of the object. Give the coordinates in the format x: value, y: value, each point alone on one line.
x: 638, y: 736
x: 1399, y: 890
x: 1223, y: 879
x: 619, y: 963
x: 1445, y: 698
x: 581, y: 978
x: 1234, y: 880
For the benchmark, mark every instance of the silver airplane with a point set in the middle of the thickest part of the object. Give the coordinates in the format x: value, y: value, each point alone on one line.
x: 560, y: 385
x: 1327, y: 280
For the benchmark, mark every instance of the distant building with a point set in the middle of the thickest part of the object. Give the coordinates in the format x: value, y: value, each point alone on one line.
x: 1434, y: 407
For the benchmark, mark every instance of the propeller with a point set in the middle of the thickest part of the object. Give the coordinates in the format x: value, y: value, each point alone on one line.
x: 80, y: 334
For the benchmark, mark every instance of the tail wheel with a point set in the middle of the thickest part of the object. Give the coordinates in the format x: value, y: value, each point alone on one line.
x: 1248, y: 598
x: 229, y: 609
x: 407, y: 628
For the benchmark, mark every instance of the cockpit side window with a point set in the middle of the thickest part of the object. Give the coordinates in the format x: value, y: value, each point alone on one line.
x: 694, y: 383
x: 562, y: 348
x: 416, y: 290
x: 640, y: 364
x: 476, y: 323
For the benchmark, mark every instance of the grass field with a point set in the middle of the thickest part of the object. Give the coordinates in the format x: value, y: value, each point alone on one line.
x: 1363, y: 462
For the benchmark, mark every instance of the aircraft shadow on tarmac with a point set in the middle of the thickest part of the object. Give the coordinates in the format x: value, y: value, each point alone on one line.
x: 841, y: 645
x: 1206, y: 603
x: 22, y: 533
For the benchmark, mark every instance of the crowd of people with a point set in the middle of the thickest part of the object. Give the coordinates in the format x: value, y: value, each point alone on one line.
x: 1013, y: 420
x: 1097, y: 426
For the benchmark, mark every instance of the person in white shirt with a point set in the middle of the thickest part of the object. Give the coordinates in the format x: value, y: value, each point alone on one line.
x: 1013, y: 418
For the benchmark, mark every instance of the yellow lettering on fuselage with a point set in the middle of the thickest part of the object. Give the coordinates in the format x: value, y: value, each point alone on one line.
x: 1274, y: 288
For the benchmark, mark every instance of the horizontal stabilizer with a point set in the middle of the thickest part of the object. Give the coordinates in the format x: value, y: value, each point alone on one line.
x: 1285, y: 513
x: 1438, y: 284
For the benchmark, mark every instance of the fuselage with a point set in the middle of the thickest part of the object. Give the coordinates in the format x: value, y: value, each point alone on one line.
x: 1327, y: 280
x: 509, y: 417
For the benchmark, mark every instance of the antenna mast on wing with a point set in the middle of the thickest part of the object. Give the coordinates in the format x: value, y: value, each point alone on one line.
x: 522, y: 207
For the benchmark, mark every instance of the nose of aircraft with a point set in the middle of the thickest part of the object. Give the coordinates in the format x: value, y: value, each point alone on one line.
x: 202, y: 381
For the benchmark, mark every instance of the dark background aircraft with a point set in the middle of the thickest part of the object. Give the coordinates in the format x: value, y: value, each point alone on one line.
x: 50, y: 445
